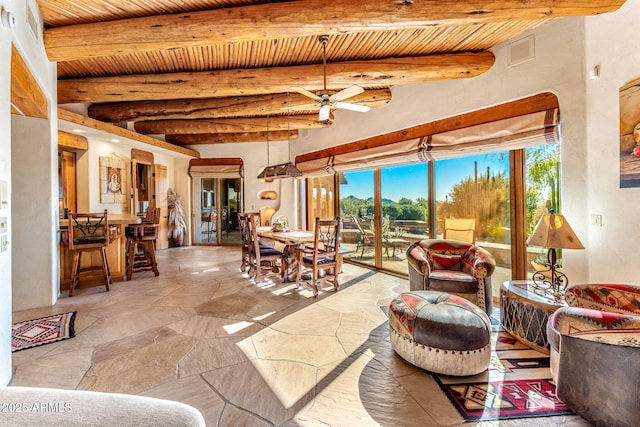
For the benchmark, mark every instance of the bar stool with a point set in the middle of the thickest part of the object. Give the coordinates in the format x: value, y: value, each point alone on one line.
x: 88, y: 232
x: 140, y: 244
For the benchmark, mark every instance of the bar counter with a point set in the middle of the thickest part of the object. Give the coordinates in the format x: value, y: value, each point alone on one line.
x: 115, y: 251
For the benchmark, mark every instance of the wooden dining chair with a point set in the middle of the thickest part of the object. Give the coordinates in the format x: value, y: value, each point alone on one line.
x: 140, y: 244
x: 245, y: 239
x: 264, y: 260
x: 88, y: 232
x: 324, y: 255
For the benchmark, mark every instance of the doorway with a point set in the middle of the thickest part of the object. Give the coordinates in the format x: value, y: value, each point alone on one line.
x: 217, y: 202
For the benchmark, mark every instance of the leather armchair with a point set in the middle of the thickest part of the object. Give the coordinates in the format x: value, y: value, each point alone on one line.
x: 454, y: 267
x: 595, y: 352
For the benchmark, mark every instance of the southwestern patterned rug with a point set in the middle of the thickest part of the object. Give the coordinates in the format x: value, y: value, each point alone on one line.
x: 46, y: 330
x: 517, y: 384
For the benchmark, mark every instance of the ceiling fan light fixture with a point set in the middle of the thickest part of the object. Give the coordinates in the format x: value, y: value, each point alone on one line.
x: 326, y: 101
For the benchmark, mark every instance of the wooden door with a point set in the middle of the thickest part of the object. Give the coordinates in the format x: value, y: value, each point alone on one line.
x: 67, y: 180
x: 161, y: 186
x: 141, y: 181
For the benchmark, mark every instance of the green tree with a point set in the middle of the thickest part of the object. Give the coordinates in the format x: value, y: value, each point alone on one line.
x: 485, y: 200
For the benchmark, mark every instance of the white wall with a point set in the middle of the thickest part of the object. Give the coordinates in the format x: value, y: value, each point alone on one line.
x: 88, y: 177
x: 612, y: 43
x: 33, y: 207
x: 5, y: 175
x: 43, y: 166
x: 35, y: 179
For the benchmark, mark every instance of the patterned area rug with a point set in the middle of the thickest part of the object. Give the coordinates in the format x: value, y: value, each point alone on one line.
x: 517, y: 384
x: 47, y: 330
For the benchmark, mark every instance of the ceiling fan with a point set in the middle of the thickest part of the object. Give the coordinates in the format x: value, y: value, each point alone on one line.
x: 325, y: 101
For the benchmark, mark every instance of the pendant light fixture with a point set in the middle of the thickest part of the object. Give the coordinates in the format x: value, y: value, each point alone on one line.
x: 285, y: 170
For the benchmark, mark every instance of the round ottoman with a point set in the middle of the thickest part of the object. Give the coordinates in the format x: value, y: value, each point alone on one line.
x: 440, y: 332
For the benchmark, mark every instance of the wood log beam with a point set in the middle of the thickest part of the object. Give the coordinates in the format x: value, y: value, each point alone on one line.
x: 293, y: 19
x: 256, y: 81
x: 27, y: 98
x: 230, y: 125
x: 224, y: 138
x: 79, y: 119
x: 211, y: 108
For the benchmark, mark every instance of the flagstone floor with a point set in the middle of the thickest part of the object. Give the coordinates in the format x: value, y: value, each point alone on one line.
x: 244, y: 354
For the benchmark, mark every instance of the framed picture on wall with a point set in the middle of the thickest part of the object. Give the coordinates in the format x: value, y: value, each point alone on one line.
x: 630, y: 134
x: 113, y: 179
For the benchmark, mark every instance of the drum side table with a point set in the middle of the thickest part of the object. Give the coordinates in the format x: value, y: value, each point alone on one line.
x: 524, y: 313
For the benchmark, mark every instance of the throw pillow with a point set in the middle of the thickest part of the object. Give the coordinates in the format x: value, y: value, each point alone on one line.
x: 446, y: 262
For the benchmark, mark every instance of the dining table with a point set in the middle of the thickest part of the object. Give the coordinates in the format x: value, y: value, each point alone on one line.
x: 294, y: 240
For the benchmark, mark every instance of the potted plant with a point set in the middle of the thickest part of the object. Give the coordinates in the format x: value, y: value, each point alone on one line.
x: 176, y: 225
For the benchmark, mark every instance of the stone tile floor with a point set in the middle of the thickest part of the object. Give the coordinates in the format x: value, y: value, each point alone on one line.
x: 244, y: 354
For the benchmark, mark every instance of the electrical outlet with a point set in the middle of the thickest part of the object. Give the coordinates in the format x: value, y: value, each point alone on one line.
x: 4, y: 243
x: 596, y: 220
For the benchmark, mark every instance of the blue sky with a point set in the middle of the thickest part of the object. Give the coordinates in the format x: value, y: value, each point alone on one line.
x: 411, y: 180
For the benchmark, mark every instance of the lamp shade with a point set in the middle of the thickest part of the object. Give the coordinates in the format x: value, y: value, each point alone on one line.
x: 553, y: 231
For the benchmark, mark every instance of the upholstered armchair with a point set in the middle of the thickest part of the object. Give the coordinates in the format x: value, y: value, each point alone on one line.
x: 454, y: 267
x: 595, y: 352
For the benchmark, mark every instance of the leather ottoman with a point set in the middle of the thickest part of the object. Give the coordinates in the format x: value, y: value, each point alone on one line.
x: 440, y: 332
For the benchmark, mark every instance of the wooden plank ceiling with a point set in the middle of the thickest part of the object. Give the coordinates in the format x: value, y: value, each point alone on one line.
x: 215, y: 71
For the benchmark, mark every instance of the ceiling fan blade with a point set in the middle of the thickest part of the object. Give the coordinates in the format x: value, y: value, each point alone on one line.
x: 325, y: 112
x: 303, y: 91
x: 347, y: 93
x: 352, y: 107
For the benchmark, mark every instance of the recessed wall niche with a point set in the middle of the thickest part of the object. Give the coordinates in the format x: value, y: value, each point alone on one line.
x: 268, y: 195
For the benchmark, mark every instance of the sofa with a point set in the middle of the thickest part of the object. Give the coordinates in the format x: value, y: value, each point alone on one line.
x: 28, y: 406
x: 454, y: 267
x: 595, y: 352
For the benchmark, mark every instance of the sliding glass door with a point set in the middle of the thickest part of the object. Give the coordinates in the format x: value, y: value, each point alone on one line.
x: 468, y: 198
x: 473, y: 205
x: 217, y: 202
x: 357, y: 211
x: 405, y: 212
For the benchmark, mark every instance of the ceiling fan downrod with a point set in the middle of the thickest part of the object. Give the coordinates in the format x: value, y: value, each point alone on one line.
x: 324, y: 40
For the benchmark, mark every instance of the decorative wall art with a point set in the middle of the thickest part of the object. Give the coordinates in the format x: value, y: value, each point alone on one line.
x: 113, y: 179
x: 630, y: 134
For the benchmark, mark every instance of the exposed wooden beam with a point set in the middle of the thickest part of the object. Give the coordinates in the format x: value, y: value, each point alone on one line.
x: 293, y: 19
x: 230, y: 125
x: 79, y: 119
x: 256, y: 81
x: 71, y: 140
x: 541, y: 102
x: 223, y: 138
x: 27, y: 98
x: 211, y: 108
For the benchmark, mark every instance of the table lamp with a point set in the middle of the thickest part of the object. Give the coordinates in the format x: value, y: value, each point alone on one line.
x: 553, y: 232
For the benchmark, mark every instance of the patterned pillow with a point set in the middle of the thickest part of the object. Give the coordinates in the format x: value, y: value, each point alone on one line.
x: 446, y: 262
